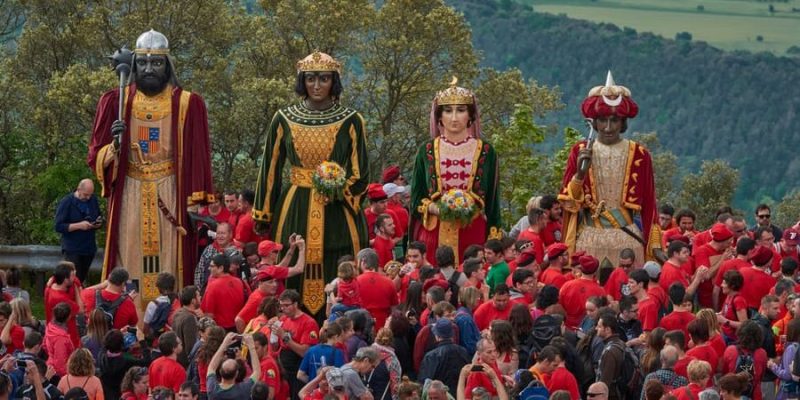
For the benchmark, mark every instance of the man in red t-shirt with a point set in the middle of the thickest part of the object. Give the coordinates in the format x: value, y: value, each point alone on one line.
x: 395, y: 193
x: 685, y: 219
x: 269, y: 251
x: 415, y: 260
x: 267, y: 287
x: 166, y: 371
x: 681, y: 313
x: 112, y: 291
x: 711, y: 255
x: 648, y: 308
x: 537, y: 220
x: 573, y: 294
x: 225, y: 295
x: 270, y: 371
x: 619, y: 276
x: 745, y: 249
x: 378, y: 293
x: 58, y: 292
x: 383, y: 243
x: 297, y: 332
x: 672, y: 271
x: 245, y: 231
x: 378, y: 204
x: 702, y: 350
x: 232, y: 205
x: 676, y: 339
x: 788, y: 246
x: 497, y: 308
x: 758, y: 280
x: 557, y: 257
x: 552, y: 209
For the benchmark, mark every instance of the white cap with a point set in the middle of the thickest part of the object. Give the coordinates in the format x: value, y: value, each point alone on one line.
x: 392, y: 189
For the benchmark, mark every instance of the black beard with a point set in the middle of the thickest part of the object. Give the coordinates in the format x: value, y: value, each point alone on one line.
x: 151, y: 87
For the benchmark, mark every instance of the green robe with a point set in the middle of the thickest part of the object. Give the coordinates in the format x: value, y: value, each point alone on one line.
x: 427, y: 186
x: 305, y: 138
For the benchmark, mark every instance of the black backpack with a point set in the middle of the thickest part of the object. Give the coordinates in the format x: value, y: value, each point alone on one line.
x: 630, y: 381
x: 160, y: 316
x: 745, y: 363
x: 109, y: 308
x: 545, y: 328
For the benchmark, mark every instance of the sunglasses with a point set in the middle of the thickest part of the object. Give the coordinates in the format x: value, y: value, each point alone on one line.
x: 763, y: 216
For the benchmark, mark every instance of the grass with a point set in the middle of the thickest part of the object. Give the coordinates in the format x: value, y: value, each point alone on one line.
x: 727, y: 24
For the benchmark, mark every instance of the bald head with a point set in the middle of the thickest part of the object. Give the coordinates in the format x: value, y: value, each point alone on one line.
x: 669, y: 356
x: 85, y: 189
x: 228, y: 370
x: 599, y: 390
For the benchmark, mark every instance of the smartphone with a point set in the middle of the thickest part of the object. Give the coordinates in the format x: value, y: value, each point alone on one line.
x: 477, y: 368
x: 22, y: 364
x: 132, y: 285
x: 132, y: 330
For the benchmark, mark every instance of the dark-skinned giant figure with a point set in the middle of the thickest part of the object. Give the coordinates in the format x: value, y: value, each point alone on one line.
x: 160, y: 167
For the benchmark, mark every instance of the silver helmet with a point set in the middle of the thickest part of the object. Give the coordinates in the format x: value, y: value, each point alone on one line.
x: 152, y: 42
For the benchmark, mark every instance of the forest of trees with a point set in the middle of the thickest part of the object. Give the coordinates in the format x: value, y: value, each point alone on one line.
x: 703, y: 103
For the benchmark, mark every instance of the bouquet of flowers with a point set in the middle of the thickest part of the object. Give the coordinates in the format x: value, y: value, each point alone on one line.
x: 329, y: 179
x: 457, y: 205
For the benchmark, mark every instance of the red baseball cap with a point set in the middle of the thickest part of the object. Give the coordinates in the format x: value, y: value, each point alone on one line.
x: 791, y: 237
x: 720, y: 233
x: 589, y: 264
x: 762, y: 257
x: 555, y: 250
x: 268, y: 246
x: 375, y: 192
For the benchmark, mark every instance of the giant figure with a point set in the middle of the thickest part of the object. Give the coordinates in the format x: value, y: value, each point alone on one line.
x: 153, y: 163
x: 454, y: 158
x: 608, y: 190
x: 318, y: 129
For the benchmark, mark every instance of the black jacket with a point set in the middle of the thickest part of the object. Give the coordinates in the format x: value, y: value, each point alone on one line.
x: 444, y: 363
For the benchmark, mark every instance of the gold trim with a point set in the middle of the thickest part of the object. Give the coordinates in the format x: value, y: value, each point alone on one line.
x: 315, y: 244
x: 183, y: 110
x: 150, y: 172
x: 287, y: 201
x: 354, y: 200
x: 149, y: 213
x: 276, y: 147
x: 148, y: 52
x: 302, y: 177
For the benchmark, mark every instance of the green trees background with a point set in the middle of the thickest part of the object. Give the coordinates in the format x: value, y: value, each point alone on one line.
x: 240, y: 56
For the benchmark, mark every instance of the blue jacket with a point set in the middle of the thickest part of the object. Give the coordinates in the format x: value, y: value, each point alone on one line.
x: 70, y: 210
x: 468, y: 333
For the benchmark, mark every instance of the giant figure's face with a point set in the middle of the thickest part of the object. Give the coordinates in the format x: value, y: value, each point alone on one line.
x: 455, y: 118
x: 151, y: 73
x: 609, y: 129
x: 318, y: 86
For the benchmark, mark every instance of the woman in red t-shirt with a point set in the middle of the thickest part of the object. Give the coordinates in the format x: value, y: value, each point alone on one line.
x: 135, y: 384
x: 213, y: 340
x: 734, y: 310
x: 699, y: 371
x: 715, y: 340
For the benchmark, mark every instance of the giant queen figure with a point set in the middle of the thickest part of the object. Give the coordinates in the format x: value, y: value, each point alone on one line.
x: 455, y: 158
x: 153, y: 163
x: 608, y: 190
x: 313, y: 136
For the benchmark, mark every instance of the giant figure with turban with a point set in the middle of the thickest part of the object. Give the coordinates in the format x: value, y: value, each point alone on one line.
x: 153, y: 163
x: 608, y: 190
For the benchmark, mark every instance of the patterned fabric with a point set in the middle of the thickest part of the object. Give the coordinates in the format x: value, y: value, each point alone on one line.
x: 667, y: 377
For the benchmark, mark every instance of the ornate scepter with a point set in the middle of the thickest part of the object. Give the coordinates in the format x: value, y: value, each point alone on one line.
x: 121, y: 61
x: 590, y: 137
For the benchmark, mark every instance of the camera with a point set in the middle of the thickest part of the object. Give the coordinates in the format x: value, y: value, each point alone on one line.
x: 22, y: 363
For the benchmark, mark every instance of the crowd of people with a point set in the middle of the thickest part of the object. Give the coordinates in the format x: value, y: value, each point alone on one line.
x: 519, y: 317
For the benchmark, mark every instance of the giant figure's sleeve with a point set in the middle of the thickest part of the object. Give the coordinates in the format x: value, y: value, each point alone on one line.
x: 100, y: 143
x: 650, y: 228
x: 198, y: 176
x: 268, y: 186
x: 491, y: 198
x: 358, y: 166
x: 420, y: 191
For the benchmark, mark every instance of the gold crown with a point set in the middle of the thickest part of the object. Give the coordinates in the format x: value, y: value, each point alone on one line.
x: 319, y: 62
x: 454, y: 95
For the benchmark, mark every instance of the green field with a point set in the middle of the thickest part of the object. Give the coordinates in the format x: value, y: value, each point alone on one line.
x: 727, y: 24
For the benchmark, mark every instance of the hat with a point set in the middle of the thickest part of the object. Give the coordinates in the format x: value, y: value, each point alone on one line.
x: 653, y: 269
x: 527, y: 257
x: 265, y: 274
x: 375, y: 192
x: 575, y: 257
x: 266, y: 247
x: 392, y: 189
x: 390, y: 173
x: 720, y: 233
x: 435, y: 282
x: 610, y: 99
x: 555, y: 250
x: 588, y: 264
x: 762, y: 257
x: 443, y: 328
x: 335, y: 379
x: 319, y: 62
x: 791, y: 237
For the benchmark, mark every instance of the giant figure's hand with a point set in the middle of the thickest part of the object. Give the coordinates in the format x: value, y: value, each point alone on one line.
x: 583, y: 166
x: 261, y: 228
x: 117, y: 129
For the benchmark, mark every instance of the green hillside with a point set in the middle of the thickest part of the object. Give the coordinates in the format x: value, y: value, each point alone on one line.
x: 727, y: 24
x: 704, y: 103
